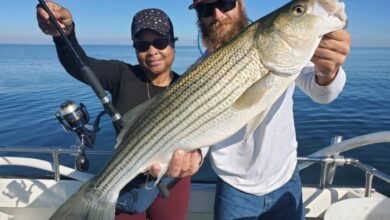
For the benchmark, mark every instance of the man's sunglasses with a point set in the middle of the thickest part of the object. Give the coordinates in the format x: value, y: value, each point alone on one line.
x: 207, y: 9
x: 143, y: 46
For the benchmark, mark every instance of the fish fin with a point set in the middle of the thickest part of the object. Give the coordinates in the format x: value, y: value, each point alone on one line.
x: 131, y: 116
x: 163, y: 171
x: 249, y: 105
x: 86, y: 205
x: 259, y: 95
x: 254, y: 123
x: 253, y: 94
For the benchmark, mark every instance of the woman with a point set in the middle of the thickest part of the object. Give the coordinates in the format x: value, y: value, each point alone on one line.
x: 129, y: 86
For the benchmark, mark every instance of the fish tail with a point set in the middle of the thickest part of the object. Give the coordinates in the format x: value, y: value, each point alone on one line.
x: 85, y: 205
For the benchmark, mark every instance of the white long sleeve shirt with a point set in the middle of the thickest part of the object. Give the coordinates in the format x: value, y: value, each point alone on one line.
x: 266, y: 160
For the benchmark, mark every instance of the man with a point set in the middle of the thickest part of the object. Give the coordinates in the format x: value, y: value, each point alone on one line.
x: 257, y: 175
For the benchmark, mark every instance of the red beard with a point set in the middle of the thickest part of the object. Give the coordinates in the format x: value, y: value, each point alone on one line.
x: 212, y: 35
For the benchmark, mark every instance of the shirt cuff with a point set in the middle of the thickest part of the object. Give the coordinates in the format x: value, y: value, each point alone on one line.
x: 329, y: 92
x: 71, y: 36
x: 340, y: 78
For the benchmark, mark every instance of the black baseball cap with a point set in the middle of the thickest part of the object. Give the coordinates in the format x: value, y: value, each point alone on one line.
x: 197, y: 2
x: 153, y: 19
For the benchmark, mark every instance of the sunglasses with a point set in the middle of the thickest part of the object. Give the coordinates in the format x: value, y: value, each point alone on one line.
x: 207, y: 9
x: 143, y: 46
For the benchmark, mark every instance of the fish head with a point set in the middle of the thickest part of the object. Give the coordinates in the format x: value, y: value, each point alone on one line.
x: 290, y: 35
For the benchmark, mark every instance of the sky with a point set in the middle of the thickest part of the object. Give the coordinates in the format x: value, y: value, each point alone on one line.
x: 108, y: 21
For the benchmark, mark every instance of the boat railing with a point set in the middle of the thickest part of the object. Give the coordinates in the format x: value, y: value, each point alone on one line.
x: 328, y: 165
x: 329, y: 158
x: 55, y: 153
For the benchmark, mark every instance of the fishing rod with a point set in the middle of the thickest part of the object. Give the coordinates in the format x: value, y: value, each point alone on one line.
x: 88, y: 73
x: 99, y: 91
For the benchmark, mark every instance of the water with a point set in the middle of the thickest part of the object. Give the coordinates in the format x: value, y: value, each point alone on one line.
x: 33, y: 84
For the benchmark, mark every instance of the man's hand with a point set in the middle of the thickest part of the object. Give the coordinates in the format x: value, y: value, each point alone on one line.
x: 62, y: 15
x: 182, y: 164
x: 330, y: 55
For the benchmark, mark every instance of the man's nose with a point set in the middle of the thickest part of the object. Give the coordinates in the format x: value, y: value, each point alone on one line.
x: 219, y: 15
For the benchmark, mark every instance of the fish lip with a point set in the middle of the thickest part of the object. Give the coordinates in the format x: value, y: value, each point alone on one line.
x: 334, y: 8
x: 334, y: 13
x: 340, y: 12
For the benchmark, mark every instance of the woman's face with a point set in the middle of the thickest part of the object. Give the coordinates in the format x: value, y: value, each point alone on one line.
x: 154, y: 60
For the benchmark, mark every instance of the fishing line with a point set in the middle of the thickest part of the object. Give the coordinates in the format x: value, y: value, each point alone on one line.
x: 87, y: 72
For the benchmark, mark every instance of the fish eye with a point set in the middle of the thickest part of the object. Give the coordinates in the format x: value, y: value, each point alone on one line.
x: 298, y: 10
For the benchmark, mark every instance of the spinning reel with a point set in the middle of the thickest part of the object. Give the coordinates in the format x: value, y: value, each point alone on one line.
x: 75, y: 119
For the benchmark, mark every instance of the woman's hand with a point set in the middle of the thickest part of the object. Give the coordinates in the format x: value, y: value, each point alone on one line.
x: 62, y: 15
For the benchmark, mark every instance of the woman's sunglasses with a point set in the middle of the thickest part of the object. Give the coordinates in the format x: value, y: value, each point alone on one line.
x: 207, y: 9
x: 143, y: 46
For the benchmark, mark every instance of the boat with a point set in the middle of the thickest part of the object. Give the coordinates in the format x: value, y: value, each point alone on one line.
x: 33, y: 198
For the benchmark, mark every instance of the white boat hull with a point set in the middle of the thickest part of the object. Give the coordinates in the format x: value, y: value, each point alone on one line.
x: 37, y: 199
x: 33, y: 199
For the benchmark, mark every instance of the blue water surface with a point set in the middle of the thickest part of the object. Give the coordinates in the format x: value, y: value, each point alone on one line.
x: 33, y: 84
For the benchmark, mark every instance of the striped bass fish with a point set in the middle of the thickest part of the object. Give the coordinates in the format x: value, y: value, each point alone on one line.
x: 215, y: 98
